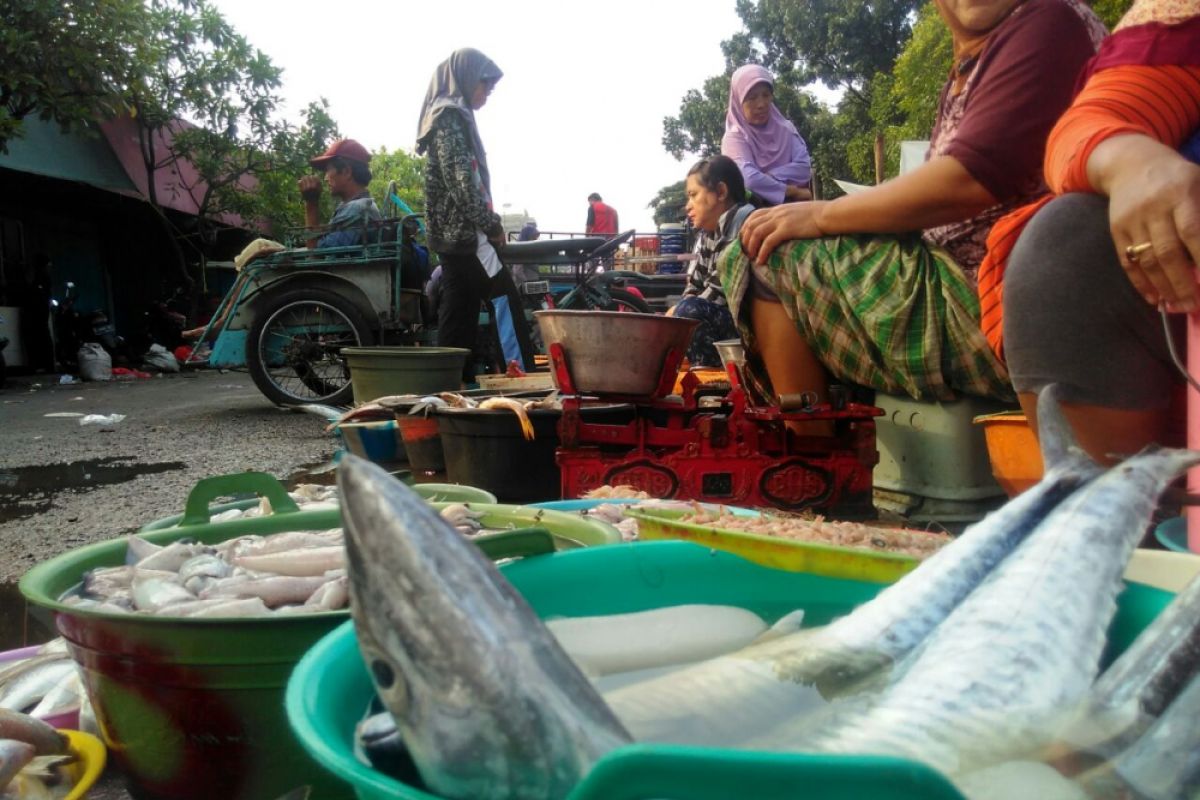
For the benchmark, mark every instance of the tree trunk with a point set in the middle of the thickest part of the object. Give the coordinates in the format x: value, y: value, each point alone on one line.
x: 879, y: 158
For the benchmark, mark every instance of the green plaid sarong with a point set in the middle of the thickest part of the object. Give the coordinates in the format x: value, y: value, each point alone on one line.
x: 892, y: 313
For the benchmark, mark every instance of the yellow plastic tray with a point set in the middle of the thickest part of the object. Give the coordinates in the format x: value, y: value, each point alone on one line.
x: 771, y: 551
x: 86, y: 771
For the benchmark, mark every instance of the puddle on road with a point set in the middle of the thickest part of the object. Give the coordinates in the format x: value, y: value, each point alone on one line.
x: 25, y: 491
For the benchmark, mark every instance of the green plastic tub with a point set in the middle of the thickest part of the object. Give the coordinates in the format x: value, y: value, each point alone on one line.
x: 433, y: 492
x: 192, y: 709
x: 379, y: 371
x: 330, y: 688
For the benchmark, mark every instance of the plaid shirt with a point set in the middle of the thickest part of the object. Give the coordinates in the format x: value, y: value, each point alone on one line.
x: 703, y: 279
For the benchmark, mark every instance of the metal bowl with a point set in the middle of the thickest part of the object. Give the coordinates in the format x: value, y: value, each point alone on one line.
x: 731, y: 352
x: 616, y: 352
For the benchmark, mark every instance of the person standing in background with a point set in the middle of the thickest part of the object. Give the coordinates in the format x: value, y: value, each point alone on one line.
x: 463, y: 228
x: 765, y: 145
x: 601, y: 217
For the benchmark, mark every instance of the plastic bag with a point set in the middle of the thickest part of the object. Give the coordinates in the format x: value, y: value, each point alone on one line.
x: 95, y: 364
x: 105, y: 421
x: 161, y: 359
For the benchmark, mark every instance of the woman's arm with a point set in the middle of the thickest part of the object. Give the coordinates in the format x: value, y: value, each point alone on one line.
x: 457, y: 160
x: 1120, y: 139
x: 765, y: 186
x: 798, y: 171
x: 939, y: 191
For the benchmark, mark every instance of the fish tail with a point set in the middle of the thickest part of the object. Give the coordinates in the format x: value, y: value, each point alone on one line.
x: 1055, y: 436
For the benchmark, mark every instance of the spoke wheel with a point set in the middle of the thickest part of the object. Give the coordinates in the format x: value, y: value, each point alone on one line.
x: 294, y: 347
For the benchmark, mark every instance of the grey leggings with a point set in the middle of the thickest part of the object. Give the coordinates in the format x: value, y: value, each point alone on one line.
x: 1072, y: 317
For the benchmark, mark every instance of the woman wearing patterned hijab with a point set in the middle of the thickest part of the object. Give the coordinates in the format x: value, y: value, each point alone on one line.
x: 762, y: 142
x: 463, y: 228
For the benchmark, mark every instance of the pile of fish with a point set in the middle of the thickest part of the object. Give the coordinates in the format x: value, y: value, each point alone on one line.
x: 981, y: 663
x: 32, y: 757
x: 45, y: 684
x: 385, y: 408
x: 247, y: 576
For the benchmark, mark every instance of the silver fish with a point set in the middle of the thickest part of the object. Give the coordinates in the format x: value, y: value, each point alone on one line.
x: 994, y: 680
x: 24, y: 728
x: 300, y: 563
x: 275, y: 590
x: 173, y: 556
x: 733, y: 700
x: 1142, y: 683
x: 14, y: 755
x: 28, y: 689
x: 486, y: 700
x: 1162, y: 765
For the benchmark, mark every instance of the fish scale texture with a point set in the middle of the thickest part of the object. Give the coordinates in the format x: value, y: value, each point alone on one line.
x: 1026, y: 644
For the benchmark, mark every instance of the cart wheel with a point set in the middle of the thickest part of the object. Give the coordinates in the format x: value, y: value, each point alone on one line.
x: 293, y: 348
x: 626, y: 301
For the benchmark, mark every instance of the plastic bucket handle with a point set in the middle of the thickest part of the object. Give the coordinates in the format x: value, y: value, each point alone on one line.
x: 518, y: 543
x: 196, y: 510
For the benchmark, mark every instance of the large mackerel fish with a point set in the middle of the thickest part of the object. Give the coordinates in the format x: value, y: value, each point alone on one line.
x: 995, y: 679
x: 487, y: 702
x: 738, y: 700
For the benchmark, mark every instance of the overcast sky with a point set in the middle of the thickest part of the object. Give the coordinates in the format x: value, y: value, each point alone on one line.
x: 580, y: 107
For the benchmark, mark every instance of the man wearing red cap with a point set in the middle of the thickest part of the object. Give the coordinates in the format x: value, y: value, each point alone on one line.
x: 347, y: 174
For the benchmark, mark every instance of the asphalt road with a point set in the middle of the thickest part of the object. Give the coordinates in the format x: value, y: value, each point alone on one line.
x: 63, y: 485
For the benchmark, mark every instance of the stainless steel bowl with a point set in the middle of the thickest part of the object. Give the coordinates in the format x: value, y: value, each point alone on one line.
x: 615, y: 352
x: 731, y: 352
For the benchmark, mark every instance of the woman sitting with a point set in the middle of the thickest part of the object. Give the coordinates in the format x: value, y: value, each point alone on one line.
x: 878, y: 288
x: 766, y: 146
x: 717, y: 207
x: 1086, y: 274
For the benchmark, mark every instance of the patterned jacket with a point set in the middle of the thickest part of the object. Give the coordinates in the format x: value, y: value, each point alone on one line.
x: 456, y: 202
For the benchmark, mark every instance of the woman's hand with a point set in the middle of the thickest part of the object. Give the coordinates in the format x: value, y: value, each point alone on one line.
x: 767, y: 228
x: 795, y: 194
x: 1154, y: 198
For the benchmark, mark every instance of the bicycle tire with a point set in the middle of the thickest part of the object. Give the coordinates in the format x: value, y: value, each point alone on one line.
x: 318, y: 373
x: 622, y: 300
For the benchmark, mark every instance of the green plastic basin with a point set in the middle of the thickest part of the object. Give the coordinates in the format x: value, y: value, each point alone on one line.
x: 330, y: 688
x: 433, y: 492
x: 379, y: 371
x: 192, y: 709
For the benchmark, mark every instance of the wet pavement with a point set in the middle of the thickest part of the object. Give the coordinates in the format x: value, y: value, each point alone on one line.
x: 63, y: 485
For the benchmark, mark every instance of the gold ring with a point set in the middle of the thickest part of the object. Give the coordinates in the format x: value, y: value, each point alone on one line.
x: 1134, y: 251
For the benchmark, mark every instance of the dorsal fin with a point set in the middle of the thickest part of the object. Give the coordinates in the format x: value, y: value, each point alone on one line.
x: 1055, y: 436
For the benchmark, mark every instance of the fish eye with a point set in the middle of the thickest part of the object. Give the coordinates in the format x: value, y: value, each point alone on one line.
x: 385, y: 676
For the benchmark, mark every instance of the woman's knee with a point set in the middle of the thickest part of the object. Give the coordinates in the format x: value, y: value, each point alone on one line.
x: 1066, y: 242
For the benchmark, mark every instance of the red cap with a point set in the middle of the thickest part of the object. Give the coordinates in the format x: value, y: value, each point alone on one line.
x: 342, y: 148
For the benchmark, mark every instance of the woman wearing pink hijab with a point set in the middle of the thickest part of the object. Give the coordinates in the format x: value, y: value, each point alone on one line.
x: 764, y: 144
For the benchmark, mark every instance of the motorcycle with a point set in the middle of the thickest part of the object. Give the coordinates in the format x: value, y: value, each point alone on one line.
x: 71, y: 328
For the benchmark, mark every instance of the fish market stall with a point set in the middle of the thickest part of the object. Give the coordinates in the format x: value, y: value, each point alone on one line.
x: 1014, y: 656
x: 185, y: 633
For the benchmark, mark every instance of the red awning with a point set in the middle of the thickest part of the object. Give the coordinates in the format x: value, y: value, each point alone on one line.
x: 177, y: 185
